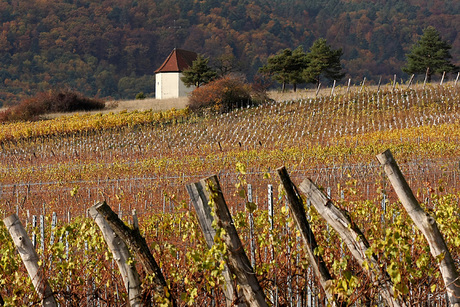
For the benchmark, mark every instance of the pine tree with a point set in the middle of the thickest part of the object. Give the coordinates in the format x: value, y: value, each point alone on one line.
x: 276, y: 67
x: 323, y: 62
x: 429, y: 55
x: 298, y: 63
x: 286, y: 67
x: 199, y: 73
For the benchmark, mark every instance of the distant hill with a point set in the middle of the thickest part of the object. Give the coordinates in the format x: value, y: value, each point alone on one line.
x: 111, y: 48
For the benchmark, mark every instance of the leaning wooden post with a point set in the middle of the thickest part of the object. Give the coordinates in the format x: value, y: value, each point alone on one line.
x: 138, y: 245
x: 427, y: 225
x: 308, y: 237
x: 333, y: 88
x: 30, y: 259
x: 442, y: 79
x: 410, y: 81
x: 353, y: 237
x: 200, y: 200
x: 121, y: 255
x: 317, y: 89
x: 362, y: 85
x: 238, y: 262
x: 426, y: 76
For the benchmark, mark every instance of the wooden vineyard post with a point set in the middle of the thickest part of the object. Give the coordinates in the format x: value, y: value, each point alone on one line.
x: 200, y: 203
x: 206, y: 196
x: 300, y: 218
x: 426, y: 76
x: 333, y: 88
x: 30, y: 259
x: 348, y: 85
x: 121, y: 256
x: 317, y: 89
x: 139, y: 246
x: 362, y: 85
x: 427, y: 225
x: 251, y: 230
x: 353, y: 238
x: 410, y: 81
x: 274, y: 290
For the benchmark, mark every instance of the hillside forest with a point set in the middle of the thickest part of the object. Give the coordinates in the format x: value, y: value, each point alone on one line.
x: 111, y: 48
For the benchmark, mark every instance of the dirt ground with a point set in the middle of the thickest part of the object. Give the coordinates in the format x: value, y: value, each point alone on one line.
x: 147, y: 104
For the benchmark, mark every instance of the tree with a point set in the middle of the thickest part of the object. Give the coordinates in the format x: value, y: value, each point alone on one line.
x: 298, y: 63
x: 323, y: 62
x: 276, y: 67
x: 199, y: 73
x: 429, y: 55
x: 286, y: 67
x: 226, y: 64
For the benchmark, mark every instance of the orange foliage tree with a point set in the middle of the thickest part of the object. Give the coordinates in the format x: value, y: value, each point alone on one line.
x: 224, y: 94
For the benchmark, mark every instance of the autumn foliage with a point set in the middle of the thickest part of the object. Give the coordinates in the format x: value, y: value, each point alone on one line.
x: 111, y: 48
x: 50, y: 102
x: 225, y: 94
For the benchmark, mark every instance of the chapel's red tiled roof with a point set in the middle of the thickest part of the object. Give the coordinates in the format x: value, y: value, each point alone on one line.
x: 177, y: 61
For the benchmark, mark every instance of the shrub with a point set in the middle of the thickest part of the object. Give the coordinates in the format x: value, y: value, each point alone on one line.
x: 259, y: 88
x: 222, y: 95
x: 50, y: 102
x: 140, y: 96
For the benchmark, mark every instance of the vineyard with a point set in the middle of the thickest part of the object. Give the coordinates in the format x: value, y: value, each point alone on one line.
x: 52, y: 171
